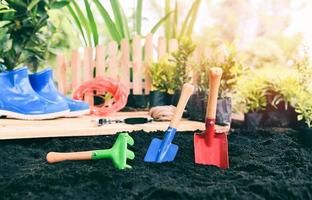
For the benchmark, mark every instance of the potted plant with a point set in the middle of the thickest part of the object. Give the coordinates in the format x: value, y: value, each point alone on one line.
x: 162, y: 75
x: 183, y: 66
x: 269, y: 100
x: 24, y: 31
x: 232, y: 70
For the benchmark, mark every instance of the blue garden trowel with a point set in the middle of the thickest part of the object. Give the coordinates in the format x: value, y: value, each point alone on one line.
x: 163, y: 150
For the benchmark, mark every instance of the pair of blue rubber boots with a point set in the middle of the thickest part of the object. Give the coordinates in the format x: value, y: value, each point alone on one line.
x: 35, y: 97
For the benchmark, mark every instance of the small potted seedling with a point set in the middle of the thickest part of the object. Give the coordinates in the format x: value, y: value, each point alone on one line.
x: 183, y: 66
x: 270, y: 98
x: 162, y: 74
x: 232, y: 70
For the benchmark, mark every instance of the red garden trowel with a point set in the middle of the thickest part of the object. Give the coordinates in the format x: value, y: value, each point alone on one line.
x: 163, y: 150
x: 211, y: 148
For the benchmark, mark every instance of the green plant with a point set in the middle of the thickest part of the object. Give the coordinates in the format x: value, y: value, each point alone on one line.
x: 181, y: 58
x: 229, y: 63
x: 172, y: 28
x: 264, y: 86
x: 117, y: 25
x: 23, y: 31
x: 162, y: 74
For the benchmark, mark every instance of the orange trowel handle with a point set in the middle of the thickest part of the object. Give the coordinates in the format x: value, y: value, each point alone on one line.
x: 215, y: 74
x: 187, y: 91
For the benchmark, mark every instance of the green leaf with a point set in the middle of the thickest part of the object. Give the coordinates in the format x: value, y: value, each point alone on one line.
x: 84, y: 22
x: 138, y: 17
x: 299, y: 117
x: 192, y: 12
x: 125, y: 22
x: 118, y: 17
x: 77, y: 22
x: 193, y: 18
x: 3, y: 23
x: 160, y: 22
x: 32, y: 4
x: 168, y: 24
x: 59, y: 4
x: 175, y: 22
x: 7, y: 10
x: 92, y: 23
x: 116, y: 36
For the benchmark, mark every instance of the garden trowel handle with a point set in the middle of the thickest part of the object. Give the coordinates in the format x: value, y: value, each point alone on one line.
x: 187, y: 91
x: 54, y: 157
x: 215, y: 74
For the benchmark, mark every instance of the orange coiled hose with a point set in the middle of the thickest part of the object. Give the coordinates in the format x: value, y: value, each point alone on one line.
x: 100, y: 87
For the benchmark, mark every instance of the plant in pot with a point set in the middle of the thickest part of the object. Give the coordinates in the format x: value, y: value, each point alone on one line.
x: 25, y: 30
x: 232, y: 70
x: 270, y: 98
x: 183, y: 66
x: 162, y: 75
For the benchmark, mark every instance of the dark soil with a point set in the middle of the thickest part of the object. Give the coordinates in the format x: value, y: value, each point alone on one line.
x: 267, y: 164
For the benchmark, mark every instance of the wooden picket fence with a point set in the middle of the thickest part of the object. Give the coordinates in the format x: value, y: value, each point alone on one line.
x: 115, y: 63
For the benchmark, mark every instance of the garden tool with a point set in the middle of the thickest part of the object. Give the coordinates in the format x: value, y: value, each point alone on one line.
x: 119, y: 153
x: 42, y: 82
x: 163, y: 150
x: 19, y: 100
x: 211, y: 148
x: 129, y: 120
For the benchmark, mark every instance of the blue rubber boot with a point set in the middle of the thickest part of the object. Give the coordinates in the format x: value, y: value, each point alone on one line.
x: 42, y: 83
x: 19, y: 100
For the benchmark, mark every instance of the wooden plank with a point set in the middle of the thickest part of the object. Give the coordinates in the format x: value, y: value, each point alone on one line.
x: 61, y: 74
x: 83, y: 126
x: 197, y: 59
x: 125, y: 62
x: 87, y: 64
x: 75, y: 69
x: 148, y: 59
x: 112, y: 60
x: 137, y: 65
x: 100, y: 61
x: 88, y: 72
x: 161, y: 47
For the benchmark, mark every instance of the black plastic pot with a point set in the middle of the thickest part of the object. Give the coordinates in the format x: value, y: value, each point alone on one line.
x: 197, y: 106
x: 158, y: 98
x: 253, y: 120
x: 224, y: 111
x: 272, y: 117
x: 176, y: 97
x: 138, y: 101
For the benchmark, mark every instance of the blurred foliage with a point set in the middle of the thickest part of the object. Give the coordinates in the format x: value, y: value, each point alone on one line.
x: 172, y: 27
x: 116, y: 25
x: 260, y: 87
x: 23, y: 30
x: 162, y: 74
x: 182, y: 59
x: 230, y: 64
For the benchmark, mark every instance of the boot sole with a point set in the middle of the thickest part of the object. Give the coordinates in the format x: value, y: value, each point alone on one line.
x: 10, y: 114
x: 72, y: 114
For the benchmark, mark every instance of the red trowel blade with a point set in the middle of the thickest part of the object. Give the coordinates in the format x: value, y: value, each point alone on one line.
x: 214, y: 153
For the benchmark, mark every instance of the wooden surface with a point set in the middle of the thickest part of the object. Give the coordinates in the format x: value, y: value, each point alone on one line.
x: 83, y: 126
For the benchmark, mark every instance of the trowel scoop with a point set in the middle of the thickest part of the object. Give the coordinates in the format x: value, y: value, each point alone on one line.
x: 210, y: 147
x: 163, y: 150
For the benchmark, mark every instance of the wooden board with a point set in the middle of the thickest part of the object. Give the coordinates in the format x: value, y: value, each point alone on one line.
x: 83, y: 126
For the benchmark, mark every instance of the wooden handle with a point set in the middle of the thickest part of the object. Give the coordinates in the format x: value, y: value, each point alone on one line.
x: 215, y: 74
x: 187, y: 91
x: 54, y: 157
